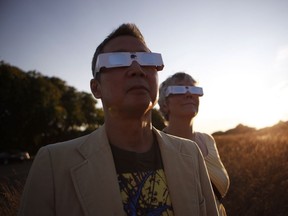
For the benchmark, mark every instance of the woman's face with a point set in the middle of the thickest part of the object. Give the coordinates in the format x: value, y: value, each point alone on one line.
x: 183, y: 105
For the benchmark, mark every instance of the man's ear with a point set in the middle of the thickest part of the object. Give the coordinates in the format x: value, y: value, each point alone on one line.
x: 95, y: 88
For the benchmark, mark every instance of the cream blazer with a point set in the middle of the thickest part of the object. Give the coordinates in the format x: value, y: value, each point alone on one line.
x: 78, y: 177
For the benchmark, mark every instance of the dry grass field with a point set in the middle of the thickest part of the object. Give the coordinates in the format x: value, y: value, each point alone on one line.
x: 257, y: 162
x: 12, y: 179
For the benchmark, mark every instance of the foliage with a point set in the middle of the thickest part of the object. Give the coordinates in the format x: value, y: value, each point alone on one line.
x: 36, y: 110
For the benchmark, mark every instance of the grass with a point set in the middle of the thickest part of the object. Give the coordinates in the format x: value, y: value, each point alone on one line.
x: 10, y: 193
x: 258, y: 168
x: 12, y: 179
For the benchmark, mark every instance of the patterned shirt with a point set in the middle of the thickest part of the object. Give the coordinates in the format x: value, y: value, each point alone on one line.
x: 142, y: 182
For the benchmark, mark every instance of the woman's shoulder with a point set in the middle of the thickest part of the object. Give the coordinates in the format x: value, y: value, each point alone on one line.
x: 208, y: 141
x: 207, y: 138
x: 178, y: 143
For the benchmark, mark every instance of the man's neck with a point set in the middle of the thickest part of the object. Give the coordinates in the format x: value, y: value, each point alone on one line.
x: 131, y: 135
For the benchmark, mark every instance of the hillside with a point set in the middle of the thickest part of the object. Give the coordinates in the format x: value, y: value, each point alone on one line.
x: 241, y: 129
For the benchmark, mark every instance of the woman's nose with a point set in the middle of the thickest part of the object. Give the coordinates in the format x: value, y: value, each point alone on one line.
x: 190, y: 95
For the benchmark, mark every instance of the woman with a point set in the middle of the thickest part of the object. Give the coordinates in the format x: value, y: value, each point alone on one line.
x: 179, y: 103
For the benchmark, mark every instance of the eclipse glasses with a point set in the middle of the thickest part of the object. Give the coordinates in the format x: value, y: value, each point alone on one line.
x: 183, y: 90
x: 125, y: 59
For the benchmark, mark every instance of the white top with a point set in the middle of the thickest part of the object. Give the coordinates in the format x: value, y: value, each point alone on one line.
x: 215, y: 167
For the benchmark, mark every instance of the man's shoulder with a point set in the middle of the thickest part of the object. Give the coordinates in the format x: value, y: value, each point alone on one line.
x: 82, y: 142
x: 75, y: 149
x: 73, y: 143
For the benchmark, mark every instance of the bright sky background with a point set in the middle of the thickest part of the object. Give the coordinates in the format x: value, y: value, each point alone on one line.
x: 237, y: 50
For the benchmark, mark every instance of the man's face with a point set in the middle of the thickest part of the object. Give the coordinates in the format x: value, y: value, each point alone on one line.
x: 127, y: 90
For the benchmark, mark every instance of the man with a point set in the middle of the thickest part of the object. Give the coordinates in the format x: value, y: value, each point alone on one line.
x: 126, y: 167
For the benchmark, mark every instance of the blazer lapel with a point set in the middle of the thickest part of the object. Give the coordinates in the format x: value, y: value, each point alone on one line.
x: 95, y: 179
x: 180, y: 176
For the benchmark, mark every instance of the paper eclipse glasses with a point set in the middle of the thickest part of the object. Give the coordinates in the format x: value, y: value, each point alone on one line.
x: 183, y: 90
x: 125, y: 59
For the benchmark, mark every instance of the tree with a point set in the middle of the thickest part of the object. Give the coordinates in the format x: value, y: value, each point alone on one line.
x: 36, y: 110
x: 13, y: 84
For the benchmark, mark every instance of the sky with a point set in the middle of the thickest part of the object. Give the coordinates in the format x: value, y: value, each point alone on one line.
x: 236, y: 50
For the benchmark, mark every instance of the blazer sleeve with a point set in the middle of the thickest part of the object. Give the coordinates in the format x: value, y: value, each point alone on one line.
x: 206, y: 187
x: 38, y: 193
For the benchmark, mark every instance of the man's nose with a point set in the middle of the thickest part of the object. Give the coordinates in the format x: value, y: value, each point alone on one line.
x: 135, y: 69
